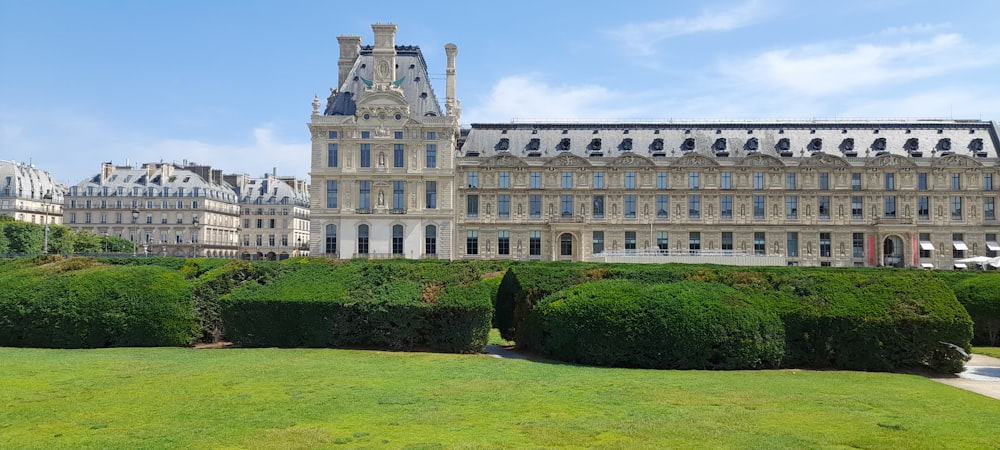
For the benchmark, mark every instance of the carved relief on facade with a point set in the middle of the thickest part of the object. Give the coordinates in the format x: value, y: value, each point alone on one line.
x: 889, y: 161
x: 695, y: 161
x: 956, y: 161
x: 824, y: 160
x: 760, y: 160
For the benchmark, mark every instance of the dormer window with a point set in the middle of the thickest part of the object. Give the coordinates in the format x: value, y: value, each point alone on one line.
x: 626, y: 145
x: 912, y: 144
x: 563, y: 144
x: 720, y: 144
x: 688, y: 144
x: 751, y: 145
x: 503, y: 145
x: 976, y: 145
x: 595, y: 144
x: 816, y: 144
x: 944, y: 144
x: 657, y: 145
x: 784, y: 147
x: 879, y: 144
x: 533, y: 144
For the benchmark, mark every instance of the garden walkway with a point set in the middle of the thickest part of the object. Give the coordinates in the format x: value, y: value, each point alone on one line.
x: 981, y: 375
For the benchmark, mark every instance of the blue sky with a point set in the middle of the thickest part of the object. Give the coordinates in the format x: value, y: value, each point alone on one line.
x: 229, y: 83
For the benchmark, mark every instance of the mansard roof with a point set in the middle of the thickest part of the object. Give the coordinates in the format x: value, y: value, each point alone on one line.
x: 814, y: 143
x: 24, y: 181
x: 411, y: 71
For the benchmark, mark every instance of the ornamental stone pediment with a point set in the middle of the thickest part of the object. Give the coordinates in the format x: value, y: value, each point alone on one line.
x: 695, y: 160
x: 760, y: 160
x: 956, y: 161
x: 824, y: 160
x: 631, y: 160
x: 504, y: 160
x: 568, y: 160
x: 890, y: 161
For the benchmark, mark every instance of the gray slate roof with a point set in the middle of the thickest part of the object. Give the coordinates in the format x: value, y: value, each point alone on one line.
x: 24, y: 181
x: 410, y: 67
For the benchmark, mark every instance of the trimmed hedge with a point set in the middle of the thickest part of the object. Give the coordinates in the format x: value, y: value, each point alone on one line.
x: 395, y: 305
x: 980, y: 294
x: 80, y: 303
x: 684, y: 325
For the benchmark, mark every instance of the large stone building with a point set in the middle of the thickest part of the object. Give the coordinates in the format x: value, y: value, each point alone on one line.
x: 401, y: 180
x: 164, y: 209
x: 383, y: 155
x: 275, y: 216
x: 29, y: 194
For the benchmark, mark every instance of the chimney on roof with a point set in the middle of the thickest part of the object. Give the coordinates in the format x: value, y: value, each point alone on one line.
x: 106, y: 170
x: 349, y: 50
x: 451, y: 104
x: 384, y: 54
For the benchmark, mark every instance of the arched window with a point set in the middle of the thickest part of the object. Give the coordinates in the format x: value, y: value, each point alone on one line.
x: 397, y: 239
x: 362, y: 239
x: 331, y: 239
x: 430, y: 240
x: 566, y: 244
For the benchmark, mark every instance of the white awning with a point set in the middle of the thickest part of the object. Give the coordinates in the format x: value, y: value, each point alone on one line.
x: 959, y: 245
x: 993, y: 246
x: 961, y: 266
x: 926, y: 245
x: 927, y: 266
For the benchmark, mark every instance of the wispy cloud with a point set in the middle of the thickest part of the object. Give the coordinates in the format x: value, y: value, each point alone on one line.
x: 644, y: 37
x: 831, y: 69
x: 528, y: 96
x: 918, y: 28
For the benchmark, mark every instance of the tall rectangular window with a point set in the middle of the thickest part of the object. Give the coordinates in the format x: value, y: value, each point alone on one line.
x: 472, y: 242
x: 727, y: 241
x: 987, y: 181
x: 566, y: 206
x: 536, y: 180
x: 430, y: 194
x: 365, y: 194
x: 332, y: 155
x: 662, y: 241
x: 694, y: 242
x: 473, y: 178
x: 956, y: 208
x: 792, y: 207
x: 629, y: 180
x: 399, y: 195
x: 989, y: 208
x: 534, y: 243
x: 598, y: 242
x: 956, y: 181
x: 430, y: 240
x: 790, y: 181
x: 855, y: 181
x: 598, y: 180
x: 792, y: 244
x: 890, y: 206
x: 331, y: 135
x: 992, y: 247
x: 366, y: 155
x: 535, y: 206
x: 694, y: 207
x: 397, y: 155
x: 727, y: 180
x: 758, y: 207
x: 958, y: 247
x: 630, y: 242
x: 397, y: 135
x: 598, y: 206
x: 758, y: 180
x: 503, y: 206
x: 759, y: 243
x: 432, y: 135
x: 331, y: 193
x: 661, y: 180
x: 693, y: 180
x: 630, y: 207
x: 924, y: 208
x: 662, y: 206
x: 504, y: 180
x: 824, y: 207
x: 431, y: 155
x: 857, y: 207
x: 926, y: 247
x: 858, y: 244
x: 503, y: 242
x: 825, y: 246
x: 890, y: 181
x: 472, y: 206
x: 824, y: 181
x: 726, y: 207
x: 567, y: 180
x: 922, y: 181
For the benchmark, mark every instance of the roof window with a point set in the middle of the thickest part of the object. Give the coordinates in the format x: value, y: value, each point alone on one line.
x: 563, y: 144
x: 503, y: 145
x: 595, y: 144
x: 816, y: 144
x: 688, y: 144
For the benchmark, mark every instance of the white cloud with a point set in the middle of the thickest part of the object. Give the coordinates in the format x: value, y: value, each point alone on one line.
x: 918, y: 28
x: 825, y: 70
x: 645, y: 36
x: 527, y: 96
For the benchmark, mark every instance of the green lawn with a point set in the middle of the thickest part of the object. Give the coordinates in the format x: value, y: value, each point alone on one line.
x: 988, y: 351
x: 300, y: 398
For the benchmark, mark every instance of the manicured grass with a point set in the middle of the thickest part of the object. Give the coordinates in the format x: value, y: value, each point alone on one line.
x: 307, y: 398
x: 988, y: 351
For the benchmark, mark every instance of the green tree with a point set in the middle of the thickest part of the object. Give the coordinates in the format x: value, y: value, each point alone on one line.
x: 86, y: 242
x: 61, y: 239
x: 23, y: 237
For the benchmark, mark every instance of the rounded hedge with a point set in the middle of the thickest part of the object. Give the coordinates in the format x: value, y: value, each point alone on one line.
x: 981, y: 297
x: 683, y: 325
